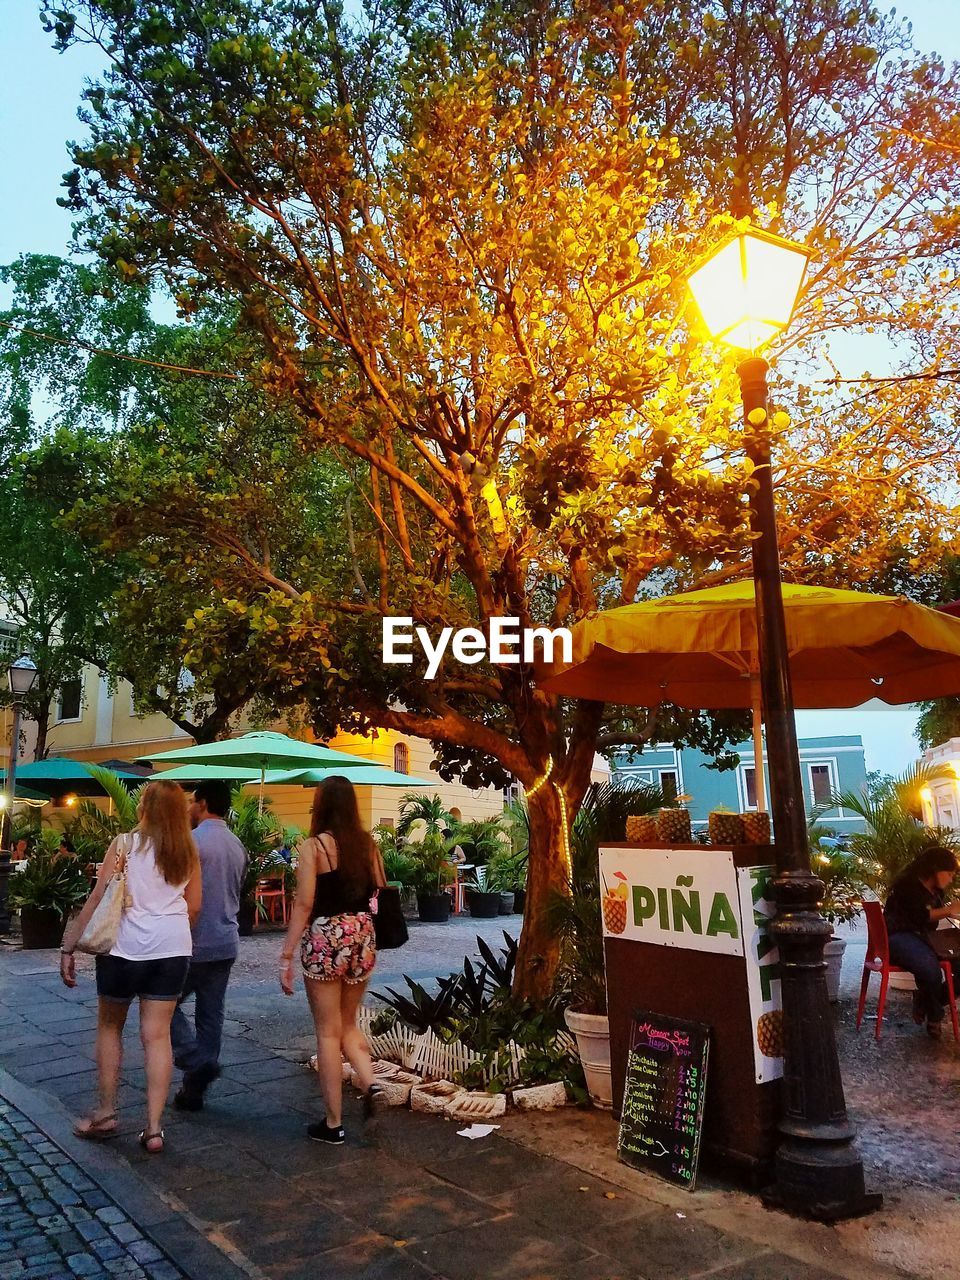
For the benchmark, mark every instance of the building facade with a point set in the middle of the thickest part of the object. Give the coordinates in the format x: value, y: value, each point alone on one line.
x: 941, y: 798
x: 827, y: 765
x: 89, y: 722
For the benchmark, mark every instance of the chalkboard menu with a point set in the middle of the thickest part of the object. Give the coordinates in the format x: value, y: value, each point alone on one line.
x: 662, y: 1116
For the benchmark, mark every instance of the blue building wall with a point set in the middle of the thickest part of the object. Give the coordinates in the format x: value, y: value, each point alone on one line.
x: 827, y: 765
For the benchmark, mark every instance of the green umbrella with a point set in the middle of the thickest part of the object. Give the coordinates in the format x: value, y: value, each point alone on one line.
x: 261, y: 751
x: 60, y: 774
x: 25, y: 794
x: 207, y: 773
x: 372, y: 776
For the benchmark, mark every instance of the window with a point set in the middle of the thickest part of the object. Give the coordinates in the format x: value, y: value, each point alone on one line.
x: 70, y: 700
x: 386, y: 822
x: 668, y: 785
x: 401, y: 758
x: 9, y: 641
x: 749, y: 786
x: 821, y: 783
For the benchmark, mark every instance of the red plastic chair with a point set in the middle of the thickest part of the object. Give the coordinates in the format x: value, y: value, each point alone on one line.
x: 877, y: 960
x: 272, y: 894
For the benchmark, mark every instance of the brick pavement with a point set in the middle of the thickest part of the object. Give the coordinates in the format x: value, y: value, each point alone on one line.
x: 411, y: 1199
x: 58, y: 1224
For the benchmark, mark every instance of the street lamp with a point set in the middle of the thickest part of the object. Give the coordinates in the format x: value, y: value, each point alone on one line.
x: 746, y: 292
x: 21, y: 677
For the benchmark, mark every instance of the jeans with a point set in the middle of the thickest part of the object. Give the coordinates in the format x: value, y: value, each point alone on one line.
x: 199, y: 1045
x: 909, y: 951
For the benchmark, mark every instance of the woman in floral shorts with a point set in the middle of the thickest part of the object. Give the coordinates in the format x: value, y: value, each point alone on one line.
x: 338, y: 872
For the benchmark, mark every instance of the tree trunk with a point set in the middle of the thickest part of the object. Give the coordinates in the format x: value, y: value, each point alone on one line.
x: 43, y: 726
x: 539, y: 951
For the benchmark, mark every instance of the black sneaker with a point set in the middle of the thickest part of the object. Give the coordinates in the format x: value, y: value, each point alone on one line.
x: 204, y: 1076
x: 187, y: 1099
x: 322, y: 1132
x: 374, y: 1101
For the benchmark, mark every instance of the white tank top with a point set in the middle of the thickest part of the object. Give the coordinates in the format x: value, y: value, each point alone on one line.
x: 156, y: 925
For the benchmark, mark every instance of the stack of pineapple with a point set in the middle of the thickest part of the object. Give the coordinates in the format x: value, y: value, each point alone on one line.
x: 642, y: 829
x: 725, y: 827
x: 756, y: 828
x: 673, y: 826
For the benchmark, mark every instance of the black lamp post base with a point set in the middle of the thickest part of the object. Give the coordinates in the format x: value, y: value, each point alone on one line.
x: 820, y: 1181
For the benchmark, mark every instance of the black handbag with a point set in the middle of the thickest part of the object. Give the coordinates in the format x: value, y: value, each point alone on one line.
x: 389, y: 924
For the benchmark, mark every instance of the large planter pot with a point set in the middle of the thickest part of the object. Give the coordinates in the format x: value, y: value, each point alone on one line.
x: 519, y: 900
x: 506, y: 903
x: 833, y: 954
x: 245, y: 918
x: 483, y: 906
x: 42, y: 928
x: 592, y: 1031
x: 434, y: 908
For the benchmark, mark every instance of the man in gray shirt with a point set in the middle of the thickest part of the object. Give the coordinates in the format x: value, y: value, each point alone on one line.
x: 216, y: 944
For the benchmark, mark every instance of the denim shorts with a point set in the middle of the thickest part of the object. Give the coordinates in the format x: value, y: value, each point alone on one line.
x: 122, y: 980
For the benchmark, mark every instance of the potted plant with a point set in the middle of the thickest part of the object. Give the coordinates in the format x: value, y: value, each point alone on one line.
x: 578, y: 919
x: 483, y: 893
x: 262, y: 835
x: 843, y: 889
x: 45, y: 892
x: 508, y: 873
x: 433, y: 871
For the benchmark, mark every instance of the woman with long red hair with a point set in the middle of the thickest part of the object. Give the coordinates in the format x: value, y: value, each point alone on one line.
x: 339, y: 869
x: 150, y: 958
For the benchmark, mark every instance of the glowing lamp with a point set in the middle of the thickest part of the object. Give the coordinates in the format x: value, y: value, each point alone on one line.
x: 21, y: 677
x: 747, y: 289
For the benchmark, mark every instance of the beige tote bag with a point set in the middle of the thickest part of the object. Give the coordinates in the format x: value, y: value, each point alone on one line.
x: 100, y: 935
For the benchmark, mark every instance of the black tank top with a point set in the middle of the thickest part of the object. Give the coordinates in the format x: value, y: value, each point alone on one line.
x: 331, y: 899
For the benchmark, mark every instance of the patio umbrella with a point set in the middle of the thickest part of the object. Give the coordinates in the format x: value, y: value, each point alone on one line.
x: 699, y: 649
x: 25, y: 795
x: 372, y: 776
x: 59, y: 774
x: 207, y: 773
x: 261, y: 751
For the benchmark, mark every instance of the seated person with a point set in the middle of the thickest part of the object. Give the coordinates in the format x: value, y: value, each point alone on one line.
x: 915, y: 905
x: 21, y: 850
x: 66, y: 848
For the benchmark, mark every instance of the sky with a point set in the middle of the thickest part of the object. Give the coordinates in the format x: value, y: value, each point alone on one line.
x: 39, y: 95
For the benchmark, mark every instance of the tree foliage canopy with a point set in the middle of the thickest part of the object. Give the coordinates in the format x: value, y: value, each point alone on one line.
x: 459, y: 236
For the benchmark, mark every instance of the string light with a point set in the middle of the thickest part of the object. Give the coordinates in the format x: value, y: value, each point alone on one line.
x: 564, y: 821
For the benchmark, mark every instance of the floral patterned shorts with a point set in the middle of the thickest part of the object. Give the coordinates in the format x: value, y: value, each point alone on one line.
x: 340, y: 948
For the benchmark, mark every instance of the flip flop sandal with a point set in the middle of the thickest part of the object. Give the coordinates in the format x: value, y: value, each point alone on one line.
x: 97, y: 1130
x: 146, y: 1138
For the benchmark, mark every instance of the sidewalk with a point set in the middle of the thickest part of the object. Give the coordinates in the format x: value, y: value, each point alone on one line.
x: 544, y: 1199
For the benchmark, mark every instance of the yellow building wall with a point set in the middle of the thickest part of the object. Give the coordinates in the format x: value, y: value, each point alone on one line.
x: 131, y: 736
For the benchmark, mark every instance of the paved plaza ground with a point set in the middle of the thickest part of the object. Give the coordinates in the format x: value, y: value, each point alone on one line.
x: 240, y: 1192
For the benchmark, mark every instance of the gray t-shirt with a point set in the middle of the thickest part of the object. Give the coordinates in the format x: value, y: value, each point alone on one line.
x: 223, y: 861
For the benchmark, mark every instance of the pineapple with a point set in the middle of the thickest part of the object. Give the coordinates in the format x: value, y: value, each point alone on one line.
x: 756, y: 828
x: 673, y: 826
x: 642, y: 829
x: 770, y: 1034
x: 725, y: 828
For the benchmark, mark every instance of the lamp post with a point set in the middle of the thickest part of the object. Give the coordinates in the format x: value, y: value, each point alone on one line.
x: 746, y: 292
x: 21, y: 677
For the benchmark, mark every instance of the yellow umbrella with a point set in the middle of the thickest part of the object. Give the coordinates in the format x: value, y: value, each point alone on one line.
x: 699, y: 649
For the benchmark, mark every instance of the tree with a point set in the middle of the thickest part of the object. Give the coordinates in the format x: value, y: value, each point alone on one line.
x: 474, y: 296
x: 51, y: 590
x: 117, y: 451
